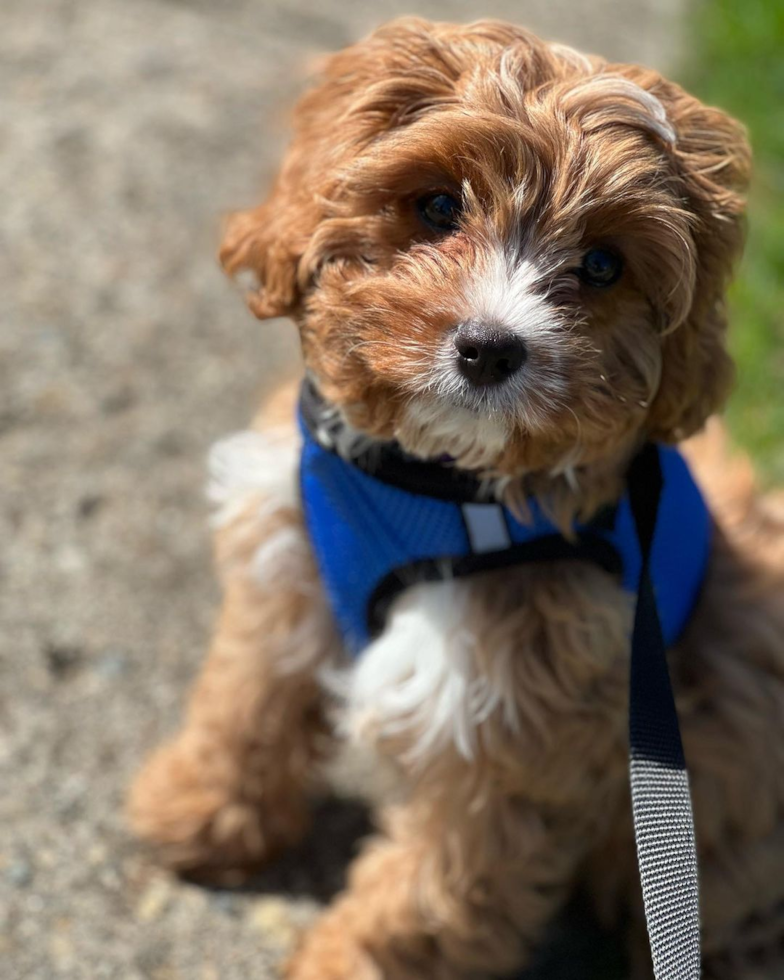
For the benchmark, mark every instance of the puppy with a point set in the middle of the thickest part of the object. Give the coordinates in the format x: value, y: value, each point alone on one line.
x: 508, y: 260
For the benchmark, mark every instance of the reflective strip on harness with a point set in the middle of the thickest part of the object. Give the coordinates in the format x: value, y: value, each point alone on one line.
x: 486, y: 526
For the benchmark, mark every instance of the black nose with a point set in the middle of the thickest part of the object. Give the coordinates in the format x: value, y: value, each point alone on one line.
x: 487, y: 355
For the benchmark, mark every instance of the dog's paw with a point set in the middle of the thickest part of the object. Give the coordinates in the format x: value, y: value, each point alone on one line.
x: 336, y: 960
x: 191, y: 803
x: 338, y: 947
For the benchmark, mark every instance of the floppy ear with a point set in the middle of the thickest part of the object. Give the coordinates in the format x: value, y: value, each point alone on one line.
x: 271, y: 240
x: 264, y: 242
x: 710, y: 163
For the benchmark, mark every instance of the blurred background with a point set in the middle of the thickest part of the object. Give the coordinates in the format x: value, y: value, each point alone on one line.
x: 126, y: 130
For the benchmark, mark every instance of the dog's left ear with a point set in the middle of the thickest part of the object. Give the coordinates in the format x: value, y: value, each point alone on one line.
x: 710, y: 165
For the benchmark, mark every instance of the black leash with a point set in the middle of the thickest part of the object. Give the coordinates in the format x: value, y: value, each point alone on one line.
x: 661, y: 802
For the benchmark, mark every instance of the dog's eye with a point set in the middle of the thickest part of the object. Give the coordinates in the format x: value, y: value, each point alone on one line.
x: 440, y: 211
x: 600, y: 267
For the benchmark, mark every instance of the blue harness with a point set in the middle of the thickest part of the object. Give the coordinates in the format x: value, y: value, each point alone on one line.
x: 373, y: 535
x: 380, y: 521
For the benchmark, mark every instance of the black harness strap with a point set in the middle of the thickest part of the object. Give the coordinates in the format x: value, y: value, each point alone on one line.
x: 661, y: 803
x: 587, y: 546
x: 386, y: 461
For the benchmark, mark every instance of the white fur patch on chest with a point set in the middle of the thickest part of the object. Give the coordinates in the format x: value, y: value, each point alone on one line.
x: 420, y: 680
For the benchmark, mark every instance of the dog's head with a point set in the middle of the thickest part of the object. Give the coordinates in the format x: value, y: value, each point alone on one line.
x: 500, y: 250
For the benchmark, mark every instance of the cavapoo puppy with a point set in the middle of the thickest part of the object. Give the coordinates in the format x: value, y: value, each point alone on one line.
x: 507, y: 262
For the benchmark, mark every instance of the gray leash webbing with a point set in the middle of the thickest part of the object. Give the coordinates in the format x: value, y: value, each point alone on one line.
x: 661, y: 802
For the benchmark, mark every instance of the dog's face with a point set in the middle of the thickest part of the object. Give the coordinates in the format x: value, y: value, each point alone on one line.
x: 500, y: 250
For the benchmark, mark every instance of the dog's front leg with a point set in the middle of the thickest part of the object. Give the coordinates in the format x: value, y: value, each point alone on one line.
x: 230, y: 789
x: 447, y: 895
x: 484, y: 849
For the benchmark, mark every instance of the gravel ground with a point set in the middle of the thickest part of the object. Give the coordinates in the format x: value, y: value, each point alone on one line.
x: 127, y: 127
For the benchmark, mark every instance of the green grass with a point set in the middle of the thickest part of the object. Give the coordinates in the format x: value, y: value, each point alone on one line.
x: 736, y: 61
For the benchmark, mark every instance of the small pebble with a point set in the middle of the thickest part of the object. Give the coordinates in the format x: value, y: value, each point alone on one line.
x: 70, y: 559
x: 20, y: 872
x: 112, y: 665
x: 154, y: 900
x: 62, y: 952
x: 88, y: 505
x: 62, y: 660
x: 273, y: 918
x: 225, y: 902
x: 97, y: 853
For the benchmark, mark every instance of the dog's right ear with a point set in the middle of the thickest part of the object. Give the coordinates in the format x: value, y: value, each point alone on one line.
x: 263, y: 241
